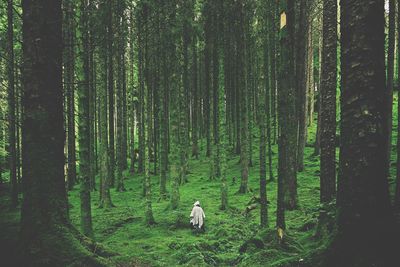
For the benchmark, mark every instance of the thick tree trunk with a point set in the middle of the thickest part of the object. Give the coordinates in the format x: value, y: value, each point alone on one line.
x: 366, y: 233
x: 48, y: 238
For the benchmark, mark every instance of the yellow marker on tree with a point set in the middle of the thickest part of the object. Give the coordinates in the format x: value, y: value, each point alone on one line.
x: 283, y: 19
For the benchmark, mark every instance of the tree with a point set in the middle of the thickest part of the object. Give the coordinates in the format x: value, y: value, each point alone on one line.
x: 84, y: 124
x: 366, y: 233
x: 270, y: 72
x: 328, y: 102
x: 287, y: 109
x: 120, y: 54
x: 164, y: 114
x: 175, y: 110
x: 397, y: 193
x: 69, y: 81
x: 263, y: 145
x: 300, y: 51
x: 110, y: 74
x: 47, y: 235
x: 207, y: 72
x: 389, y: 83
x: 11, y: 104
x: 105, y: 169
x: 148, y: 209
x: 244, y: 130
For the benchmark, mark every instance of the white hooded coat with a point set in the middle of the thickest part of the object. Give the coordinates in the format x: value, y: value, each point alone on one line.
x: 197, y: 215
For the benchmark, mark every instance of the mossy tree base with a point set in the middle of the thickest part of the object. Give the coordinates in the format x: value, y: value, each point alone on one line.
x: 63, y: 245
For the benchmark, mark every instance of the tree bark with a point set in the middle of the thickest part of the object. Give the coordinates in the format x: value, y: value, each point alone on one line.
x: 397, y: 192
x: 366, y: 233
x: 287, y: 144
x: 84, y: 125
x: 301, y: 63
x: 11, y: 104
x: 110, y: 69
x: 328, y: 102
x: 244, y: 130
x: 47, y: 235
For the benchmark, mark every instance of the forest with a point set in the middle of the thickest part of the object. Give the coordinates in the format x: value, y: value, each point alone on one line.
x: 199, y: 133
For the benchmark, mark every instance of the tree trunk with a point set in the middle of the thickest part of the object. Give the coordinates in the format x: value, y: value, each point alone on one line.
x: 397, y: 192
x: 207, y: 73
x: 48, y: 237
x: 11, y: 104
x: 388, y: 101
x: 328, y: 102
x: 301, y: 63
x: 110, y: 68
x: 244, y: 130
x: 69, y: 80
x: 119, y: 185
x: 84, y: 125
x: 105, y: 169
x: 287, y: 108
x: 366, y: 233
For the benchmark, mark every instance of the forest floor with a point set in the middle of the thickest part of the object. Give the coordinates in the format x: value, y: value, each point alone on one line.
x: 231, y: 238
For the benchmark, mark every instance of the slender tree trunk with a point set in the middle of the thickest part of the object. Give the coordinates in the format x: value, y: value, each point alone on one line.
x: 264, y: 96
x: 195, y: 89
x: 11, y: 104
x: 92, y: 97
x: 207, y: 73
x: 141, y: 97
x: 397, y: 192
x: 105, y: 168
x: 119, y: 185
x: 164, y: 115
x: 328, y: 102
x: 215, y: 88
x: 148, y: 208
x: 84, y: 125
x: 244, y: 130
x: 390, y: 82
x: 301, y: 51
x: 287, y: 108
x: 110, y: 68
x: 174, y: 94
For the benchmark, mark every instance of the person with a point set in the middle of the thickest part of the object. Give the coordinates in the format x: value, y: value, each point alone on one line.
x: 197, y: 217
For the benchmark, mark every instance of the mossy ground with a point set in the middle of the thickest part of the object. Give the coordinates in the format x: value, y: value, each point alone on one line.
x: 170, y: 242
x: 229, y: 235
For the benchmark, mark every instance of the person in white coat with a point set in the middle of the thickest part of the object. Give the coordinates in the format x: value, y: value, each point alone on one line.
x: 197, y: 217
